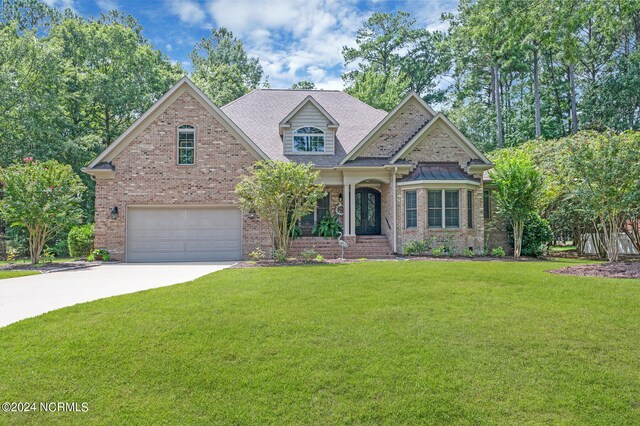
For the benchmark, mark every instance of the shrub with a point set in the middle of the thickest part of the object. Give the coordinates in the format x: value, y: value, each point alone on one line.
x: 80, y: 240
x: 536, y: 235
x: 417, y: 247
x: 439, y: 251
x: 280, y: 255
x: 309, y: 255
x: 498, y: 252
x: 328, y: 227
x: 468, y: 252
x: 99, y: 254
x: 257, y: 255
x: 319, y: 258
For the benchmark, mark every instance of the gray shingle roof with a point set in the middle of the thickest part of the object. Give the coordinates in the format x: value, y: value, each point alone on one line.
x: 259, y: 113
x: 438, y: 171
x: 370, y: 161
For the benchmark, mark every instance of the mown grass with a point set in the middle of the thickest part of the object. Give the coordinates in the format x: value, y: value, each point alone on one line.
x: 378, y: 342
x: 13, y: 274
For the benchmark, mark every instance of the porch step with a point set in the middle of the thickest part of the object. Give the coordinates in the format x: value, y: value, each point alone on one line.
x: 362, y: 246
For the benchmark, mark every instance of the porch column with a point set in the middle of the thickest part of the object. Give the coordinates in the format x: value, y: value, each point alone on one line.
x: 352, y: 210
x: 345, y: 209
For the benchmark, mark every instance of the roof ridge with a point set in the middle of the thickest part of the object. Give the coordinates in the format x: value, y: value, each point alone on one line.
x: 298, y: 90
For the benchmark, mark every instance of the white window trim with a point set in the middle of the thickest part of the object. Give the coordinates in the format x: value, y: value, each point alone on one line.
x: 192, y: 130
x: 415, y: 208
x: 293, y: 138
x: 443, y: 209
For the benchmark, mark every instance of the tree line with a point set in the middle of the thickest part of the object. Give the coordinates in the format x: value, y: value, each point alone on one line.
x: 509, y: 71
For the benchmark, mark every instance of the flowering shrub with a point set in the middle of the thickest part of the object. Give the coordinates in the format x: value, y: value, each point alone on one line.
x: 42, y: 197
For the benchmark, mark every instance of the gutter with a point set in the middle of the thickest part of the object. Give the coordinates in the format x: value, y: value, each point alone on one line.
x: 395, y: 213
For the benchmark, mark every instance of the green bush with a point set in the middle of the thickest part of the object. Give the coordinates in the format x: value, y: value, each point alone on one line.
x: 99, y: 254
x: 498, y: 252
x: 80, y: 240
x: 439, y: 251
x: 329, y: 227
x: 468, y: 252
x: 417, y: 247
x: 280, y: 255
x: 257, y: 255
x: 536, y: 236
x: 309, y: 255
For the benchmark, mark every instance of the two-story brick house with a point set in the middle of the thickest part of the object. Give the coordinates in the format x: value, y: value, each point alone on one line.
x: 165, y: 187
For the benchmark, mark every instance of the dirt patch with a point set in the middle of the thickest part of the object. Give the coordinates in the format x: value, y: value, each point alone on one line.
x: 605, y: 270
x: 50, y: 267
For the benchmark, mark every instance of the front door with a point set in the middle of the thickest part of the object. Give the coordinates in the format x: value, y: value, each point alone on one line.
x: 367, y: 211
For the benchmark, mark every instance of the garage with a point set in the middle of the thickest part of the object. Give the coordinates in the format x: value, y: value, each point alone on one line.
x: 183, y: 234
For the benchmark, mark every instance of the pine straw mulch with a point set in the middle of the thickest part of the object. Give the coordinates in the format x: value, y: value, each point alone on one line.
x: 603, y: 270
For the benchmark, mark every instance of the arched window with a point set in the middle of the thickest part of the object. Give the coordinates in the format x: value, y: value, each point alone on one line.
x: 186, y: 145
x: 308, y: 139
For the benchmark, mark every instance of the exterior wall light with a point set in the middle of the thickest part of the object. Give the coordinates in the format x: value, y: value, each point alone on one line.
x: 252, y: 214
x: 114, y: 213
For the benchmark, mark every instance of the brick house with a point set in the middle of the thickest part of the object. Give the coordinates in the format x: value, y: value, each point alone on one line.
x: 165, y: 187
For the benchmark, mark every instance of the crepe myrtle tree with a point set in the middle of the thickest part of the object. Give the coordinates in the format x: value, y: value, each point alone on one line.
x: 280, y: 193
x: 43, y: 197
x: 605, y: 171
x: 519, y: 188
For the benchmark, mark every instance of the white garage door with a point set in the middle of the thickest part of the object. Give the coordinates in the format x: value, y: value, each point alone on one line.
x: 183, y: 234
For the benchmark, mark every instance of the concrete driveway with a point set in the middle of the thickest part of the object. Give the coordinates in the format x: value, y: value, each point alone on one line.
x: 26, y: 297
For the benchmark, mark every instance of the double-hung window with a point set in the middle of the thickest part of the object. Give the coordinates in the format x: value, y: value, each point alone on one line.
x: 443, y: 209
x: 186, y: 145
x: 469, y: 209
x: 307, y: 222
x: 486, y: 199
x: 411, y: 209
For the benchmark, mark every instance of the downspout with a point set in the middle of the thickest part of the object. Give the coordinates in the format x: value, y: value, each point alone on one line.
x: 395, y: 208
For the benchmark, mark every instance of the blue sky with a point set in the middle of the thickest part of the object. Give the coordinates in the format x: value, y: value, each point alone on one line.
x: 294, y: 39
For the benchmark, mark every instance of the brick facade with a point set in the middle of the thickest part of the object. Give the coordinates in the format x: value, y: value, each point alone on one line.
x: 408, y: 121
x: 146, y: 173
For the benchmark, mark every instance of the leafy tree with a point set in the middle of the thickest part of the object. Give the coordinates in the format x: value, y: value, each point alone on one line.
x: 519, y: 186
x: 222, y: 68
x: 113, y: 74
x: 379, y: 92
x: 389, y: 48
x: 30, y: 72
x: 43, y: 197
x: 303, y: 85
x: 605, y: 169
x: 280, y: 193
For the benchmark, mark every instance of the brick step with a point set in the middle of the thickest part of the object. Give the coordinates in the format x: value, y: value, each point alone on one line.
x: 364, y: 246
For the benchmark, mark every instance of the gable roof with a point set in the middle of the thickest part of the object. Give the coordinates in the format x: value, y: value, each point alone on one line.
x: 158, y: 108
x: 259, y: 114
x: 455, y: 134
x: 370, y: 136
x: 305, y: 101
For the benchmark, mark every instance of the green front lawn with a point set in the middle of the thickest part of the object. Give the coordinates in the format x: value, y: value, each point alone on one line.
x: 376, y: 342
x: 13, y: 274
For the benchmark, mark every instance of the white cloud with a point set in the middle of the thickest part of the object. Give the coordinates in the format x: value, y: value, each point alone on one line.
x: 61, y: 4
x: 187, y: 11
x: 107, y: 5
x: 294, y: 39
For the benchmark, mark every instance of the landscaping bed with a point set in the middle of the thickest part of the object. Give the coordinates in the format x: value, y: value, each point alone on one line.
x: 604, y: 270
x: 49, y: 266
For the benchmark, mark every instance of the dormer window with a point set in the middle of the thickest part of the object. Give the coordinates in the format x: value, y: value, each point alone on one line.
x: 186, y: 145
x: 308, y: 139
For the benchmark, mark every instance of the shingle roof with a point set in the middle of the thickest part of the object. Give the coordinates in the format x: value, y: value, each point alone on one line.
x: 438, y: 171
x: 370, y: 161
x: 260, y: 112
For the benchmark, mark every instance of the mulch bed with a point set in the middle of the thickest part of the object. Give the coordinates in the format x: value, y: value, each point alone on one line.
x: 605, y: 270
x: 297, y: 262
x: 50, y: 267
